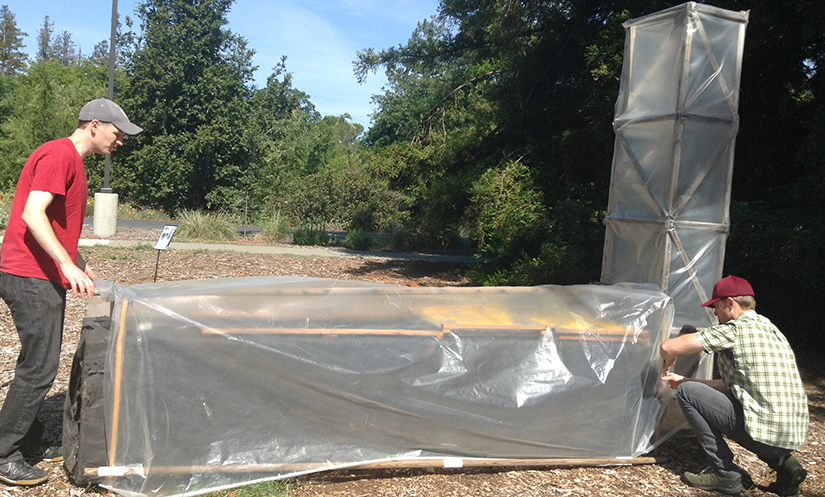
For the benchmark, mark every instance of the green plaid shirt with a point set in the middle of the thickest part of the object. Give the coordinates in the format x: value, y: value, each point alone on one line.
x: 759, y: 369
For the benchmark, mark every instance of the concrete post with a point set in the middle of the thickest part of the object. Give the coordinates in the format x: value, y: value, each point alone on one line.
x: 105, y: 215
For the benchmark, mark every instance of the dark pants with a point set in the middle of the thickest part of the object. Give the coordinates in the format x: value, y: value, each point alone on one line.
x: 712, y: 414
x: 37, y: 307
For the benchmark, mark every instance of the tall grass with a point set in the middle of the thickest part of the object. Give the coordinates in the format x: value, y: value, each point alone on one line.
x: 209, y: 226
x: 274, y: 228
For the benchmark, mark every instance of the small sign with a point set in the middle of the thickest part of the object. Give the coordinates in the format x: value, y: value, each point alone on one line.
x: 165, y: 237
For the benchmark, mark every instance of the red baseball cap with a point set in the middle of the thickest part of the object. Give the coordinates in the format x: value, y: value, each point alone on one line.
x: 729, y: 286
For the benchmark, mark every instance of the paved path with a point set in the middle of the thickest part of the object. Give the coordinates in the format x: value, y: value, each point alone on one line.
x: 298, y: 250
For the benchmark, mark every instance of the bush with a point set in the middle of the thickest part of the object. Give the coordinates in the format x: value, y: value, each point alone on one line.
x: 358, y: 239
x: 311, y: 235
x: 212, y: 226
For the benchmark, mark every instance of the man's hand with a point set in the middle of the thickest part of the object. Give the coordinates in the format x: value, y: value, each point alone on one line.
x: 80, y: 280
x: 673, y: 380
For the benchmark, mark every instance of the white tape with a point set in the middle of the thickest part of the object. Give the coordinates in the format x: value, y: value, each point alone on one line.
x: 111, y: 471
x: 453, y: 462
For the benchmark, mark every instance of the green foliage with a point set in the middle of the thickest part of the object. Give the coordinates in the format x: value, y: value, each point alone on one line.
x: 358, y: 239
x: 192, y: 103
x: 505, y: 205
x: 211, y: 226
x: 779, y: 246
x: 42, y: 105
x: 349, y: 197
x: 311, y: 235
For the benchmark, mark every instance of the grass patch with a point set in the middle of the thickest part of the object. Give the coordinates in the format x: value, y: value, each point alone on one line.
x: 143, y: 246
x: 208, y: 226
x: 279, y: 488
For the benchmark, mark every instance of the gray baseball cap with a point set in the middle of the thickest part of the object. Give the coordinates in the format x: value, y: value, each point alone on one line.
x: 106, y: 111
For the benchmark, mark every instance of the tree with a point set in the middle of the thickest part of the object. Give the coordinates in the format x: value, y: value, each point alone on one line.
x: 44, y: 41
x: 43, y: 105
x: 124, y: 45
x: 487, y: 83
x: 12, y: 59
x: 193, y: 104
x: 64, y: 49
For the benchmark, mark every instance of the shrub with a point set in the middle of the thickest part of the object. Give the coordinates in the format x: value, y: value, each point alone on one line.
x: 198, y: 225
x: 310, y: 235
x: 358, y: 239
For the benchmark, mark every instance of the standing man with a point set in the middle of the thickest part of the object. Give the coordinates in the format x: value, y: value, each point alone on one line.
x: 759, y: 402
x: 39, y: 261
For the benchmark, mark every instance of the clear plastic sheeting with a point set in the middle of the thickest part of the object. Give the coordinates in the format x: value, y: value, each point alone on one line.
x: 216, y: 383
x: 676, y: 122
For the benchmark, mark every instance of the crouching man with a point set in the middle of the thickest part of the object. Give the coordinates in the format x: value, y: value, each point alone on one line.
x: 759, y: 402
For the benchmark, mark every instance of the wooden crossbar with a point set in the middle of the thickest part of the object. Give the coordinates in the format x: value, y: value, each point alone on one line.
x: 320, y: 331
x: 399, y: 464
x: 508, y: 330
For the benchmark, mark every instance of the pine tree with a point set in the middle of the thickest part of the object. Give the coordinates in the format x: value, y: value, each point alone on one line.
x: 12, y: 59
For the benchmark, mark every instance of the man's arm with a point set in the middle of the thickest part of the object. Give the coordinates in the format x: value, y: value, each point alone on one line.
x: 34, y: 215
x: 674, y: 347
x: 687, y: 343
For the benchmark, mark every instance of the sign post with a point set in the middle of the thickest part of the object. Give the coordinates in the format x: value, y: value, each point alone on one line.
x: 162, y: 244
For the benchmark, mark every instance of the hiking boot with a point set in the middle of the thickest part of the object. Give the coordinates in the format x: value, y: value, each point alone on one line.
x: 709, y: 480
x: 788, y: 477
x: 48, y: 453
x: 22, y: 473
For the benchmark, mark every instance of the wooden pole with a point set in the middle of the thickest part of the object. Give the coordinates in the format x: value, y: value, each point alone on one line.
x: 118, y: 380
x: 505, y: 330
x: 157, y: 263
x: 448, y: 462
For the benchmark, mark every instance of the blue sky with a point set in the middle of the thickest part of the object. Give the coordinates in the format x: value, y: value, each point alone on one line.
x: 319, y: 38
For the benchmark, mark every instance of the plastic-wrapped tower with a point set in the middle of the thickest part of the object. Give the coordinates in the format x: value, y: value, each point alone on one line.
x: 676, y: 122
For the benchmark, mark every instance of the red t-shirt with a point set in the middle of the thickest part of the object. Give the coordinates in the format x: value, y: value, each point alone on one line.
x: 55, y: 167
